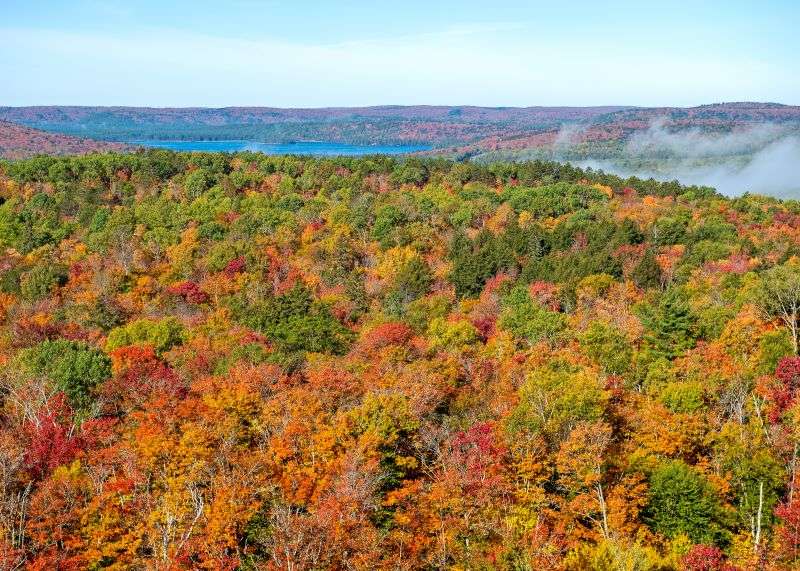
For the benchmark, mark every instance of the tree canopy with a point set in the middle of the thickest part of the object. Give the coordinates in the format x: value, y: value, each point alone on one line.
x: 213, y: 361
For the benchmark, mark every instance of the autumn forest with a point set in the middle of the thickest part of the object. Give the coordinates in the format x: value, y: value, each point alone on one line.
x: 241, y: 361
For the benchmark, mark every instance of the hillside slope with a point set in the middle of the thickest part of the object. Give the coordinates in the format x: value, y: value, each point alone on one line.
x: 408, y: 364
x: 436, y: 125
x: 463, y: 128
x: 19, y: 141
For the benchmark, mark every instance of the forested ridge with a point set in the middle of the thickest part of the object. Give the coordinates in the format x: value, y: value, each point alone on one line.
x: 18, y: 141
x: 213, y: 361
x: 388, y: 124
x: 453, y: 130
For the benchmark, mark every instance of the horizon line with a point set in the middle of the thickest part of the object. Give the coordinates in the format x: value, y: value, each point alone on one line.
x: 400, y: 105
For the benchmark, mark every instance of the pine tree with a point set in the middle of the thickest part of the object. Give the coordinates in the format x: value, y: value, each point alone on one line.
x: 671, y: 325
x: 647, y: 273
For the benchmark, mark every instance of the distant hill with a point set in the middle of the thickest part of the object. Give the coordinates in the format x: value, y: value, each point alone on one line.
x: 19, y: 141
x: 440, y: 126
x: 458, y: 131
x: 620, y: 125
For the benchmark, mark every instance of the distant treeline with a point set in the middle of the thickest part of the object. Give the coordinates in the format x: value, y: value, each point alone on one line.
x: 163, y: 164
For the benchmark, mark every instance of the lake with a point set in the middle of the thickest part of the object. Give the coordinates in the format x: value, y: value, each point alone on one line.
x: 300, y: 148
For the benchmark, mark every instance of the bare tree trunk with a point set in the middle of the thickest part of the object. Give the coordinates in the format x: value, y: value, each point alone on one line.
x: 601, y: 498
x: 757, y: 539
x: 794, y: 472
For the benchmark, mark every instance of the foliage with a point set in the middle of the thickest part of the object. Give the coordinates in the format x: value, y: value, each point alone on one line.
x: 162, y: 334
x: 672, y: 327
x: 553, y: 402
x: 607, y: 346
x: 213, y: 361
x: 683, y: 502
x: 73, y: 367
x: 528, y: 320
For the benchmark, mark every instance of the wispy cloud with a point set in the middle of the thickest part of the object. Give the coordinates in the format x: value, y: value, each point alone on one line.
x: 494, y: 63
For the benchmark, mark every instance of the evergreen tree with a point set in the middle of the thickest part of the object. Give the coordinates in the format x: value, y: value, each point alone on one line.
x: 672, y: 327
x: 681, y: 501
x: 647, y: 272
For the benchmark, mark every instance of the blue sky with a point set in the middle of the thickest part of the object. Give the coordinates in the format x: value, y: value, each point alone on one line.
x: 356, y: 52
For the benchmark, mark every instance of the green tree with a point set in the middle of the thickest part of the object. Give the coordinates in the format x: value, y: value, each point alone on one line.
x: 162, y: 335
x: 316, y: 332
x: 607, y: 346
x: 475, y: 262
x: 296, y: 323
x: 413, y: 279
x: 73, y: 367
x: 387, y: 219
x: 681, y: 501
x: 196, y: 183
x: 672, y: 328
x: 39, y: 223
x: 41, y: 280
x: 554, y: 401
x: 779, y: 298
x: 670, y: 230
x: 528, y: 320
x: 647, y: 272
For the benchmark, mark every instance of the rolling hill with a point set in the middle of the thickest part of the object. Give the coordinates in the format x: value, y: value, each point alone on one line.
x: 456, y: 128
x: 19, y: 141
x: 440, y: 126
x: 734, y: 147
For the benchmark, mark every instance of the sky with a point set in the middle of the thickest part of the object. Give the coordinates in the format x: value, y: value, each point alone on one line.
x: 372, y: 52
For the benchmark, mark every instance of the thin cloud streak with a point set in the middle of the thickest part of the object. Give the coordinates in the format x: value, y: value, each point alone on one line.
x: 493, y: 64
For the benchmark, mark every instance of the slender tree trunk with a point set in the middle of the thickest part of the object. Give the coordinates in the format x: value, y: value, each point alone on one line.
x: 601, y: 498
x: 794, y: 472
x: 757, y: 539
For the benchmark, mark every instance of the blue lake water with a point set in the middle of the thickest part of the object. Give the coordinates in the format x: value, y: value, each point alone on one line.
x: 300, y: 148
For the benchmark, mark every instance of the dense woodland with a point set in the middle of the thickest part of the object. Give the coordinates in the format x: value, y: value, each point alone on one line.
x: 458, y: 131
x: 19, y: 141
x: 388, y: 124
x: 214, y: 361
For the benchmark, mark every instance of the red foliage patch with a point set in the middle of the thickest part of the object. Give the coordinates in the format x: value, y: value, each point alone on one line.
x: 235, y: 266
x: 334, y: 382
x: 385, y: 335
x: 229, y: 217
x: 788, y: 531
x: 189, y: 291
x: 139, y: 373
x: 29, y: 331
x: 705, y: 558
x: 52, y: 437
x: 782, y: 394
x: 480, y: 459
x: 486, y: 326
x: 546, y: 294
